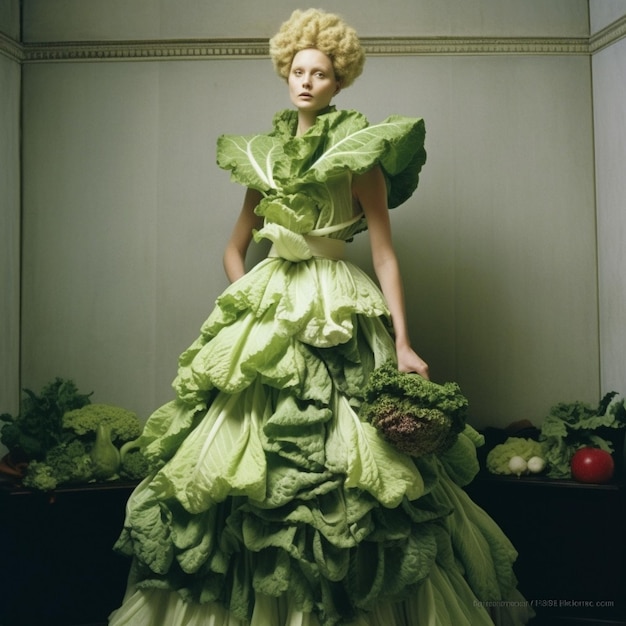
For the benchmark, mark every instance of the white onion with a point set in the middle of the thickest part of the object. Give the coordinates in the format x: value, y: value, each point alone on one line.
x: 518, y: 465
x: 536, y: 464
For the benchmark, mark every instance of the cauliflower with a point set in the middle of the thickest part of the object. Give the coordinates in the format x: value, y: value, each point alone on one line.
x: 416, y: 415
x: 500, y: 456
x: 125, y: 424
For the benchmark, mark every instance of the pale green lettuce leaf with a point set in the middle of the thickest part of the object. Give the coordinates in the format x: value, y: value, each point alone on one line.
x: 289, y: 245
x: 282, y: 164
x: 460, y: 460
x: 369, y: 462
x: 145, y: 532
x: 223, y: 456
x: 254, y: 160
x: 166, y: 429
x: 386, y: 141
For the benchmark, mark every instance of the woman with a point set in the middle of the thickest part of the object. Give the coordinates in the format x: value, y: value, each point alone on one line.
x: 271, y: 502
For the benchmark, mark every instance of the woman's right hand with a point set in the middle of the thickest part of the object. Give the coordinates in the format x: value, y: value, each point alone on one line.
x: 410, y: 361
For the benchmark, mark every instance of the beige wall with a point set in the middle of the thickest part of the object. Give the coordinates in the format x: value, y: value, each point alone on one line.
x: 93, y: 20
x: 125, y: 213
x: 9, y: 209
x: 609, y: 91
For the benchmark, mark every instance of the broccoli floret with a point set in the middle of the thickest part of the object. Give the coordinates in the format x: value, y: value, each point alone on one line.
x: 65, y: 463
x: 125, y: 424
x: 70, y: 462
x: 39, y: 475
x: 134, y: 466
x: 416, y: 415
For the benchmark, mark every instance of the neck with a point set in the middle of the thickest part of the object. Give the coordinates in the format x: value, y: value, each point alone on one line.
x: 305, y: 121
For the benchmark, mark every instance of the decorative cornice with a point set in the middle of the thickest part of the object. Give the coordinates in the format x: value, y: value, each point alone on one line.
x: 475, y: 46
x: 187, y: 49
x: 146, y: 50
x: 258, y: 48
x: 10, y: 48
x: 608, y: 36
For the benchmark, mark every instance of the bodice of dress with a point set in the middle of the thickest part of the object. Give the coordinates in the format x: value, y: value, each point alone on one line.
x: 306, y: 181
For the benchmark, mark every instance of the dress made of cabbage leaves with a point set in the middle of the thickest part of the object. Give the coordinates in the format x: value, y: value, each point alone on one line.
x: 273, y: 503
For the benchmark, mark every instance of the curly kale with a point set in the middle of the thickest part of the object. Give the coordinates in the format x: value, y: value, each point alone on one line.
x: 416, y: 415
x: 39, y: 427
x: 124, y: 424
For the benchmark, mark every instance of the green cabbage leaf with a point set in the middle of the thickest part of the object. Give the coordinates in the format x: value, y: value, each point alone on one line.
x: 278, y: 164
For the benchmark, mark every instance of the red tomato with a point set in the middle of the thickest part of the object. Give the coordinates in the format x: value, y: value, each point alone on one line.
x: 592, y: 465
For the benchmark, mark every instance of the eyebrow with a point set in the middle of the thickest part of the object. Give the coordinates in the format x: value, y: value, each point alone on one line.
x: 313, y: 69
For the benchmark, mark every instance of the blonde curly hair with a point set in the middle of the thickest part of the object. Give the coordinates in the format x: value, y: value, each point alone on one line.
x: 326, y: 32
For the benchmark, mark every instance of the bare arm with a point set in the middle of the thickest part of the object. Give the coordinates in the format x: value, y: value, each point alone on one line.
x: 371, y: 192
x: 237, y: 246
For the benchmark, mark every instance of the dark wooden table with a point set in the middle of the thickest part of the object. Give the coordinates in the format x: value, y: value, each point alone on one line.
x: 58, y: 565
x: 59, y: 568
x: 571, y: 539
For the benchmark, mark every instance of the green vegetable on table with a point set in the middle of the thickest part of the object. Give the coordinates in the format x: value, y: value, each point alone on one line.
x: 105, y: 457
x: 64, y: 438
x: 65, y: 463
x: 134, y: 465
x: 571, y: 426
x: 416, y: 415
x: 514, y: 455
x: 124, y: 424
x: 39, y: 427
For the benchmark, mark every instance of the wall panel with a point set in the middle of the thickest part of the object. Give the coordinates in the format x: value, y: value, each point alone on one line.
x: 609, y: 68
x: 10, y: 233
x: 126, y: 214
x: 75, y: 20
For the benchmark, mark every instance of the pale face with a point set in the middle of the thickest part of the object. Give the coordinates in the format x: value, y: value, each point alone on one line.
x: 312, y: 81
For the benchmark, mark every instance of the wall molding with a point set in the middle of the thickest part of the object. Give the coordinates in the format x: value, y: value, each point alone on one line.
x: 608, y: 36
x: 11, y: 49
x: 153, y: 50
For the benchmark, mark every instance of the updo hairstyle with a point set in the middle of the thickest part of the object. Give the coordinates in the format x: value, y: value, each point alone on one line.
x: 326, y: 32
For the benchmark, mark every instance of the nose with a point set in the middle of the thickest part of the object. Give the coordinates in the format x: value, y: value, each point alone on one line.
x: 306, y: 81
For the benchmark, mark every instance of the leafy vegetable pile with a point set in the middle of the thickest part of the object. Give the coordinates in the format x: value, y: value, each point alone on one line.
x: 416, y: 415
x: 64, y: 438
x: 571, y: 426
x: 500, y: 456
x: 39, y: 426
x: 568, y: 427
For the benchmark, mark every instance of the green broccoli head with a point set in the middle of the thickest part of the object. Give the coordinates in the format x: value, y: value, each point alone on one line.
x: 134, y: 465
x: 70, y: 462
x: 40, y: 475
x: 125, y: 424
x: 65, y: 463
x: 416, y: 415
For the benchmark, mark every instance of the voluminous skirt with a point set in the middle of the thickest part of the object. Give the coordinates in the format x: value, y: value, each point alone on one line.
x: 272, y: 503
